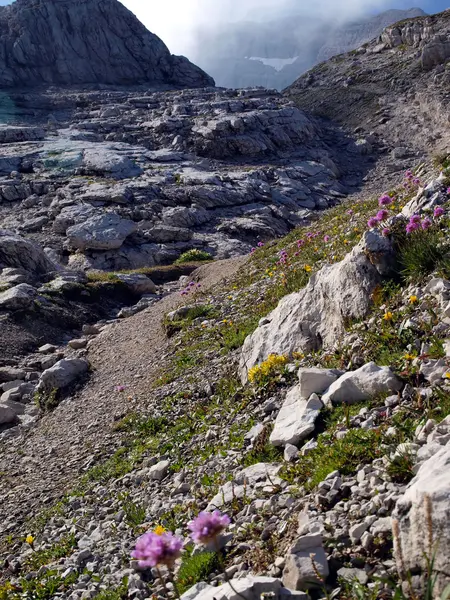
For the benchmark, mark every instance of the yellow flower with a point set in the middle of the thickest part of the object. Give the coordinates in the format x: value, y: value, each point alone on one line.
x: 308, y: 268
x: 409, y: 357
x: 159, y: 530
x: 388, y: 316
x: 29, y: 539
x: 413, y: 299
x: 447, y: 375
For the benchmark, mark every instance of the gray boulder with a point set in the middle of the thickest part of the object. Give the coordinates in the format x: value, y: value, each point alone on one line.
x: 102, y: 160
x: 20, y: 253
x: 86, y: 41
x: 306, y: 560
x: 421, y: 521
x: 62, y: 374
x: 137, y: 283
x: 103, y: 232
x: 315, y: 381
x: 7, y: 414
x: 19, y: 297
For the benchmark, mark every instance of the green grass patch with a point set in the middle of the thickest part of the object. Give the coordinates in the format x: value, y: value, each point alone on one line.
x: 193, y: 255
x: 343, y: 455
x: 64, y: 547
x: 46, y: 587
x: 195, y: 568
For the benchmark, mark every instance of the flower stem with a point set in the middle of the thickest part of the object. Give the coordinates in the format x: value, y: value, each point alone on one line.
x: 162, y: 581
x: 175, y: 588
x: 222, y: 566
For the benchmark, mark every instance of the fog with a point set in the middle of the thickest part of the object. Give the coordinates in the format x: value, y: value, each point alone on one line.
x: 177, y: 22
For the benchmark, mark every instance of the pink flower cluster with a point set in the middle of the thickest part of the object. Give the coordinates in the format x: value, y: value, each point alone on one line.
x: 381, y: 215
x: 259, y: 245
x: 191, y: 287
x: 154, y: 549
x: 207, y: 526
x: 410, y: 180
x: 416, y: 223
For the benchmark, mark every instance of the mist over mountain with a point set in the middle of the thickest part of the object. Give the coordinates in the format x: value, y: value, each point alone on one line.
x: 274, y: 52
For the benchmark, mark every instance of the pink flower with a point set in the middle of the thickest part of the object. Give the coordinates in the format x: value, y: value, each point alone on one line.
x: 382, y: 214
x: 412, y: 227
x: 438, y: 211
x: 207, y: 526
x: 300, y: 243
x: 326, y: 238
x: 260, y: 244
x: 448, y: 191
x: 385, y: 200
x: 153, y: 549
x: 415, y: 219
x: 386, y: 232
x: 120, y: 388
x: 372, y: 222
x: 426, y: 224
x: 350, y: 212
x: 416, y: 181
x: 309, y: 235
x: 409, y: 174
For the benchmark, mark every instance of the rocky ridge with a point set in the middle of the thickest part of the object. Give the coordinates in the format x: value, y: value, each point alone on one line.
x: 395, y: 86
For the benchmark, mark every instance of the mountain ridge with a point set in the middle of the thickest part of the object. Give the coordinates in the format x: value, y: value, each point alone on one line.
x: 85, y: 41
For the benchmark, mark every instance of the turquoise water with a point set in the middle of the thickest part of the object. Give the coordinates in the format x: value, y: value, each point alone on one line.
x: 8, y: 110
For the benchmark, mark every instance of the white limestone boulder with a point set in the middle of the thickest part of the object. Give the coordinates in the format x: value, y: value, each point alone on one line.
x: 363, y: 384
x: 425, y: 505
x: 296, y: 419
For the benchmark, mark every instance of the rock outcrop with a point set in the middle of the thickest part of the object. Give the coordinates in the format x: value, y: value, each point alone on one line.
x: 85, y: 41
x: 316, y: 316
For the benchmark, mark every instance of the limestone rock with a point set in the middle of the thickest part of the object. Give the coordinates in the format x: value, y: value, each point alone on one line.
x: 19, y: 297
x: 300, y: 573
x: 315, y: 381
x: 17, y: 252
x: 104, y: 232
x: 316, y: 316
x: 62, y: 374
x: 427, y: 499
x: 295, y: 421
x: 362, y: 384
x: 249, y: 587
x: 137, y: 283
x: 86, y: 41
x: 7, y: 414
x: 159, y: 471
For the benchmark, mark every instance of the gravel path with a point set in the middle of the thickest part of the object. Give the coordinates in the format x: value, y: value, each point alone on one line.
x: 40, y: 467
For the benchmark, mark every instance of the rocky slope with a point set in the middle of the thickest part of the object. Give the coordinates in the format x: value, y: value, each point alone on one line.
x: 122, y: 180
x: 322, y: 459
x: 395, y: 86
x: 274, y: 53
x: 85, y: 42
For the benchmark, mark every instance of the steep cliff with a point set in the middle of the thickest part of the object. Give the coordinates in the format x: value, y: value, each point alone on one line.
x: 85, y: 41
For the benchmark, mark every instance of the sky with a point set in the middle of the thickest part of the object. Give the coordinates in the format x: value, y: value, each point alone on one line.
x: 174, y: 21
